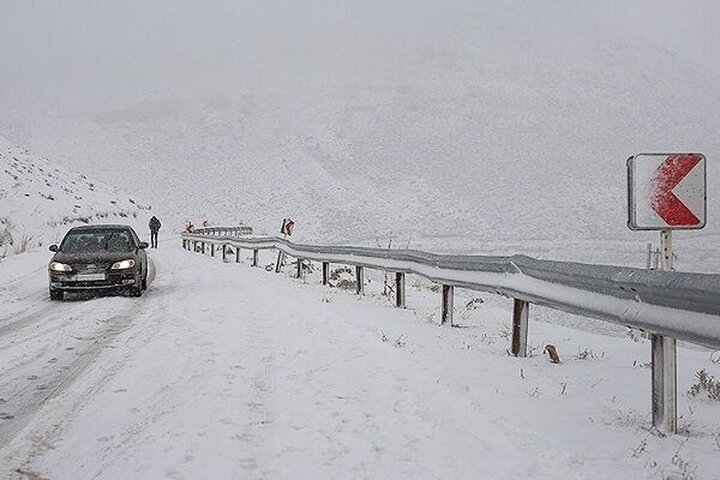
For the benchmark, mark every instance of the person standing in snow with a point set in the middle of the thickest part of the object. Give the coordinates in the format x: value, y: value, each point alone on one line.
x: 154, y: 228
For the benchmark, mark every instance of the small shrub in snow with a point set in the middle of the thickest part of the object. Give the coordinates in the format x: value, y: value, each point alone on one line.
x: 505, y: 332
x: 706, y: 383
x: 22, y: 245
x: 588, y: 354
x: 343, y: 277
x: 563, y: 386
x: 685, y: 469
x: 636, y: 335
x: 473, y: 304
x: 640, y: 448
x: 534, y: 394
x: 399, y: 342
x: 5, y: 236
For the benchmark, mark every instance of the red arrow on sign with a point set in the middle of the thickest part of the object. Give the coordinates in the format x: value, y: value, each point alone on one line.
x: 665, y: 203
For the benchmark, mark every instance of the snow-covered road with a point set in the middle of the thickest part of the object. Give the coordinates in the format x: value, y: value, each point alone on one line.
x: 225, y: 371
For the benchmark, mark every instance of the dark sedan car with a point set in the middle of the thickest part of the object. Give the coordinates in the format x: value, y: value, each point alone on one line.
x: 99, y: 257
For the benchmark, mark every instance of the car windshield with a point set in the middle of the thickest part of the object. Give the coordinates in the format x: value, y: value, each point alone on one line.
x: 97, y: 240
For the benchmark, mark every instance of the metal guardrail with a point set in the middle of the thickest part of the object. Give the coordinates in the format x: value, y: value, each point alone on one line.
x: 683, y: 306
x: 219, y: 231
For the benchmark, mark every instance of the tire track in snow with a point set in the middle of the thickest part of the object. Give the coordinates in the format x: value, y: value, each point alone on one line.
x: 20, y: 406
x: 19, y: 403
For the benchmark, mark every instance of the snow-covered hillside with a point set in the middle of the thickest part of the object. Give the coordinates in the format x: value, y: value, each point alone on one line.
x: 39, y: 199
x: 467, y: 126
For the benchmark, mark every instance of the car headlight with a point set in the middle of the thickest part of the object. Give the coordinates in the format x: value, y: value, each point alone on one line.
x: 123, y: 265
x: 60, y: 267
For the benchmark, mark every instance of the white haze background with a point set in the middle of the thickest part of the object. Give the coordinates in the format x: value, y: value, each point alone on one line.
x: 462, y: 125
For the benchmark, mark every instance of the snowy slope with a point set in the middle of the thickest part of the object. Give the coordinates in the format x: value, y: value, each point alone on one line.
x: 39, y: 199
x: 462, y: 126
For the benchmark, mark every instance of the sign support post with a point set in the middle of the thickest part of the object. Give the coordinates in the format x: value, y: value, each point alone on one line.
x: 664, y: 359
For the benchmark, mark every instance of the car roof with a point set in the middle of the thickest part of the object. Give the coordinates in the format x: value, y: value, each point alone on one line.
x: 82, y: 228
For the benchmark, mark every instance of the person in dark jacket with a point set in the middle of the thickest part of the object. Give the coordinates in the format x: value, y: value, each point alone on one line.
x: 154, y: 228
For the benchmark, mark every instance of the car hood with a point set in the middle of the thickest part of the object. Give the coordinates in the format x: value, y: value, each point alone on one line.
x: 93, y: 257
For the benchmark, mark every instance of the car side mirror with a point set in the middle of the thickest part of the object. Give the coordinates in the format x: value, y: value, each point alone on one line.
x: 143, y: 245
x: 54, y: 248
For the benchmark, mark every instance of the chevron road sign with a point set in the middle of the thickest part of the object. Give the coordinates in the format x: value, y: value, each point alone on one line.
x: 667, y: 191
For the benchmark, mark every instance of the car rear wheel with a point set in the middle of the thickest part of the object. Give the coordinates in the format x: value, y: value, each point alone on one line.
x: 57, y: 295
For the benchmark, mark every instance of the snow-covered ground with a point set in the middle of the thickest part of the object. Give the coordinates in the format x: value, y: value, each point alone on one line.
x: 39, y: 200
x: 225, y: 371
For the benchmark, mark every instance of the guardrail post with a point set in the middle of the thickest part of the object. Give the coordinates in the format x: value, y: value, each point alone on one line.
x: 448, y: 300
x: 325, y: 273
x: 212, y: 250
x: 255, y: 258
x: 237, y: 254
x: 224, y: 253
x: 203, y: 248
x: 521, y: 311
x: 400, y: 289
x: 359, y: 280
x: 298, y: 274
x: 279, y: 261
x: 664, y: 383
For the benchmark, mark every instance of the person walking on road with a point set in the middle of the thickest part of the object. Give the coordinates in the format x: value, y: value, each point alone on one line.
x: 154, y: 228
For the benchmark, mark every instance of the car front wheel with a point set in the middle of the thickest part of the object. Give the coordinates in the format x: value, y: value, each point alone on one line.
x: 56, y: 295
x: 137, y: 290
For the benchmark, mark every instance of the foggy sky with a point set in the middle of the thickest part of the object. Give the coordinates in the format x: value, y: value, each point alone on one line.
x: 81, y: 53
